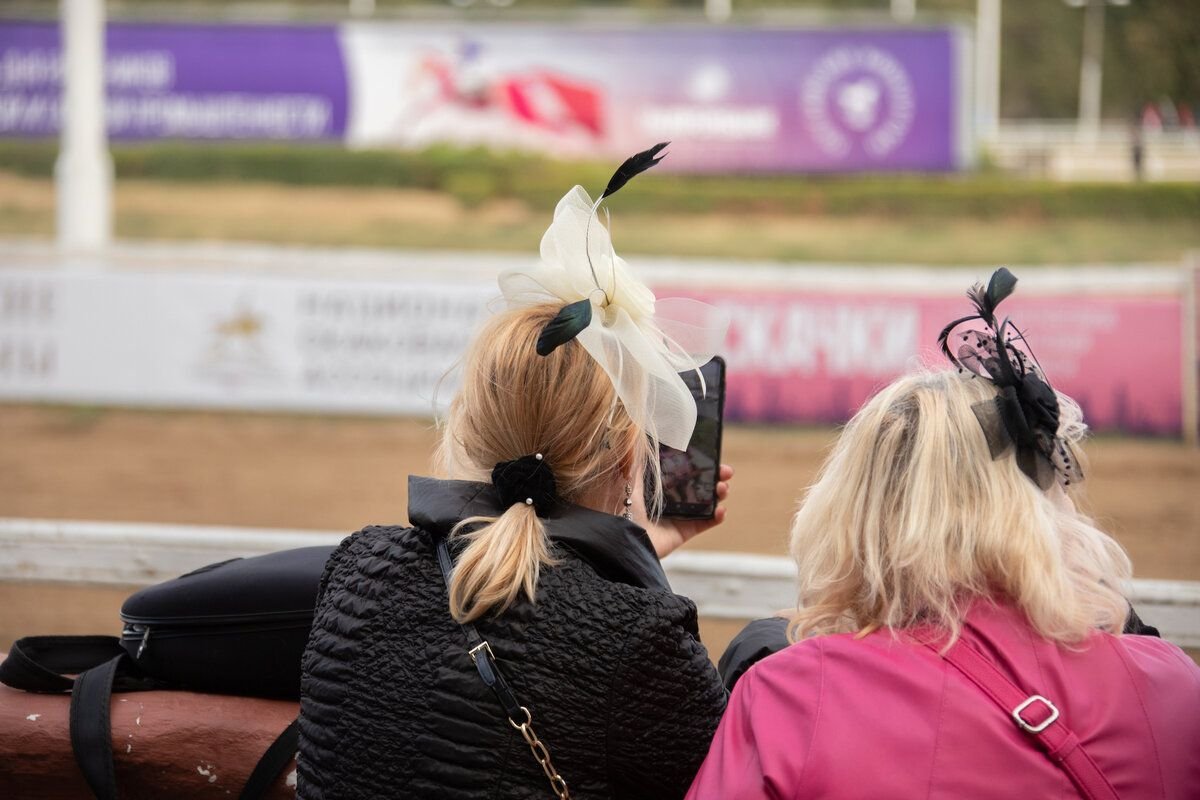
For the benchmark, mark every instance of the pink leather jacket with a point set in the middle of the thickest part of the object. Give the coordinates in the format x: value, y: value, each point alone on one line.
x: 882, y: 717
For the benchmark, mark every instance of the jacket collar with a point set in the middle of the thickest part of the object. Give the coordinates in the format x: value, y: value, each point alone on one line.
x: 616, y: 548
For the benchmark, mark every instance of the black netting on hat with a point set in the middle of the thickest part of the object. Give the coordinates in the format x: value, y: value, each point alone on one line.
x: 1024, y: 416
x: 1042, y: 458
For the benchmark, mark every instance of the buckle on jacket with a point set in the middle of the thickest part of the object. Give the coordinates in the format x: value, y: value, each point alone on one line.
x: 1027, y: 726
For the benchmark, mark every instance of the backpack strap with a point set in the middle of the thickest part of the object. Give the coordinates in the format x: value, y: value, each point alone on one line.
x: 1035, y: 715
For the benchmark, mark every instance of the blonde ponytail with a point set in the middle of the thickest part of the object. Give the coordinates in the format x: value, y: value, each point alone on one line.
x: 502, y: 559
x: 515, y: 403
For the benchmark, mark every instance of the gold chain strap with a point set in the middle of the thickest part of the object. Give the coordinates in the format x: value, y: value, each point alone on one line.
x: 558, y: 784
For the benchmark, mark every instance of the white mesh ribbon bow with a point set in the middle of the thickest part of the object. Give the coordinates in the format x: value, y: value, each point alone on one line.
x: 642, y: 342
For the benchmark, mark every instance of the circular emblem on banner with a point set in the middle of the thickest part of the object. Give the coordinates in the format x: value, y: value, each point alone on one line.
x: 858, y: 95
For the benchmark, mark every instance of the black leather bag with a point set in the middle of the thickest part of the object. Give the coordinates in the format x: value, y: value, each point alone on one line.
x: 235, y: 627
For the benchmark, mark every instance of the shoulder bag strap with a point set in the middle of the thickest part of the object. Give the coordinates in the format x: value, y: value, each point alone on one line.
x: 1035, y: 715
x: 46, y: 664
x: 273, y: 762
x: 489, y: 672
x: 91, y: 730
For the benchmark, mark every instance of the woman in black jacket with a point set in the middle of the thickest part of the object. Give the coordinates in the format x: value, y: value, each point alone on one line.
x: 519, y: 638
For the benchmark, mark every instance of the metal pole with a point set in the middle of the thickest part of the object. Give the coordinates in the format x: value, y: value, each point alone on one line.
x: 1090, y: 70
x: 1191, y: 351
x: 718, y: 11
x: 83, y: 172
x: 987, y: 69
x: 904, y: 10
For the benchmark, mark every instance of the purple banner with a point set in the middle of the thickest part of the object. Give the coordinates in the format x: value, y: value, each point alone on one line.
x: 186, y: 81
x: 731, y: 99
x: 728, y: 98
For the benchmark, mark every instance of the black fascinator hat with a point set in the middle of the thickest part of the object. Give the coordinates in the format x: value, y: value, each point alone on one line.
x: 1024, y: 416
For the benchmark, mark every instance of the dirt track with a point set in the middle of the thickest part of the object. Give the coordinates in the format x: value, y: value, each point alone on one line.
x: 343, y: 473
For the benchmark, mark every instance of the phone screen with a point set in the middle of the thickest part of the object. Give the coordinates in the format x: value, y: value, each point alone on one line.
x: 689, y: 479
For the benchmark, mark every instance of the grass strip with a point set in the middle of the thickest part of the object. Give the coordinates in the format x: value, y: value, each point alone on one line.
x: 476, y: 176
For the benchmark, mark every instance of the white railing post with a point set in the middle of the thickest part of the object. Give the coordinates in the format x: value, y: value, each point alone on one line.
x: 84, y: 171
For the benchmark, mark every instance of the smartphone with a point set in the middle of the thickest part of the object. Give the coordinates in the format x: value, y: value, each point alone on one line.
x: 689, y: 479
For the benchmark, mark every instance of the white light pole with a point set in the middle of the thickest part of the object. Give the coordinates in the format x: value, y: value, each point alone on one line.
x: 718, y: 11
x: 904, y: 10
x: 1091, y: 65
x: 83, y: 173
x: 1091, y: 69
x: 987, y: 69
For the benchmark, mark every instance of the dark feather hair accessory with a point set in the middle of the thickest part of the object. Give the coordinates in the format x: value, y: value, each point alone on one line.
x: 566, y: 325
x: 632, y: 167
x: 573, y: 318
x: 1024, y: 416
x: 528, y: 480
x: 1000, y: 286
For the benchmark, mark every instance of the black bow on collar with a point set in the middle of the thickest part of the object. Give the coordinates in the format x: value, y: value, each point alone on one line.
x: 616, y: 548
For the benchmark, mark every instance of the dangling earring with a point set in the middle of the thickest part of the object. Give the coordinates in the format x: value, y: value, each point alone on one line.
x: 628, y: 502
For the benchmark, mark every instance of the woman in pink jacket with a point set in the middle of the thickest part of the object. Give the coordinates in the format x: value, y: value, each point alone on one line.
x: 959, y: 629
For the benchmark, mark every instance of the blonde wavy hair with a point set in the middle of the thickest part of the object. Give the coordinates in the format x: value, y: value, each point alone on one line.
x: 911, y: 520
x: 515, y: 403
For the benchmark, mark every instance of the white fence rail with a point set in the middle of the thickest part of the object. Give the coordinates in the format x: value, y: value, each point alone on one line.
x: 1063, y: 151
x: 724, y: 585
x: 743, y: 586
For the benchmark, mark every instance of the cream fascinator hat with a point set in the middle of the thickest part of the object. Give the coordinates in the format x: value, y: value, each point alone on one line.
x: 641, y: 341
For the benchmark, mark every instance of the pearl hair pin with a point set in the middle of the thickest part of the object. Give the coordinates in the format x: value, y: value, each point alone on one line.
x: 527, y: 481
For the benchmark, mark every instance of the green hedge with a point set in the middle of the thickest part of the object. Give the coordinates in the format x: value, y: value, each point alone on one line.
x: 477, y: 175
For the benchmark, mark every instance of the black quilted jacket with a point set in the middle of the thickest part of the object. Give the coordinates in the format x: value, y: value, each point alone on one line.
x: 608, y: 660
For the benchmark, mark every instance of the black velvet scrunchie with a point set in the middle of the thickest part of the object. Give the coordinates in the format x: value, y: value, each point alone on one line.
x: 528, y: 480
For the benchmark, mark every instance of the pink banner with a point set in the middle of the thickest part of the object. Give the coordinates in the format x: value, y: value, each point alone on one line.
x: 815, y: 357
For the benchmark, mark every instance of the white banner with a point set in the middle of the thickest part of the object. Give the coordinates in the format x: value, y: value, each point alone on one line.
x: 266, y: 328
x: 241, y: 342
